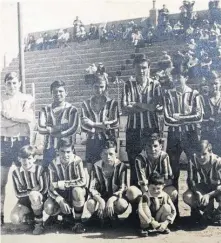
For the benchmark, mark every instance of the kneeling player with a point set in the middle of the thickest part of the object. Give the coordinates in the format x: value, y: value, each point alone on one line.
x: 31, y: 186
x: 67, y: 187
x: 156, y: 209
x: 201, y: 193
x: 108, y: 185
x: 151, y: 159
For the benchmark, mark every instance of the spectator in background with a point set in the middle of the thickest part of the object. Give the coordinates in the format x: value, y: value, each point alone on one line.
x: 30, y: 46
x: 77, y: 23
x: 163, y: 16
x: 177, y: 29
x: 39, y: 43
x: 90, y: 76
x: 82, y: 35
x: 150, y: 35
x: 136, y: 37
x: 54, y: 40
x: 46, y: 42
x: 111, y: 34
x: 63, y: 38
x: 93, y: 32
x: 205, y: 63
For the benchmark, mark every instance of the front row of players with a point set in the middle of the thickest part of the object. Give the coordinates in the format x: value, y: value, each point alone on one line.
x: 65, y: 189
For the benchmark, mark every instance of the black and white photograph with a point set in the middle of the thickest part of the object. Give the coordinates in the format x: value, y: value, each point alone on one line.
x: 110, y: 121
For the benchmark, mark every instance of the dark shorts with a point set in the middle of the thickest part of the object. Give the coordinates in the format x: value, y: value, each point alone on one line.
x: 10, y: 150
x: 48, y: 156
x: 94, y: 147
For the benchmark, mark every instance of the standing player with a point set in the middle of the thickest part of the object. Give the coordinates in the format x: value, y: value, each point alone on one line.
x: 142, y: 100
x: 31, y: 186
x: 57, y: 120
x: 183, y: 114
x: 204, y: 182
x: 100, y: 120
x: 67, y: 186
x: 211, y: 126
x: 152, y: 159
x: 17, y: 118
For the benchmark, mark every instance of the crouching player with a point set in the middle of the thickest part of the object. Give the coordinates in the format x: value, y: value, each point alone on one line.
x: 31, y: 186
x: 108, y: 186
x: 151, y: 159
x: 67, y: 187
x: 200, y: 196
x: 156, y: 209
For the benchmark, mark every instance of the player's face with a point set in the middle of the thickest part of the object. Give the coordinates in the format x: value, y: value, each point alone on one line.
x: 141, y: 71
x: 109, y: 156
x: 27, y: 163
x: 59, y: 94
x: 12, y: 86
x: 215, y: 86
x: 179, y: 81
x: 99, y: 88
x: 155, y: 190
x: 153, y: 149
x: 204, y: 155
x: 65, y: 154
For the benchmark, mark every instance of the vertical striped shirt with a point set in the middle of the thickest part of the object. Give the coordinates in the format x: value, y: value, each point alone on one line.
x: 145, y: 167
x: 71, y: 175
x: 25, y: 181
x: 150, y: 95
x: 66, y: 120
x: 212, y: 113
x: 120, y: 180
x: 188, y: 105
x: 209, y: 173
x: 109, y: 113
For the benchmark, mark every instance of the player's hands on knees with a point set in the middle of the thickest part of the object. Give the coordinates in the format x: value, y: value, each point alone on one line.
x: 205, y: 200
x: 101, y: 208
x: 65, y: 208
x: 163, y: 226
x: 110, y: 208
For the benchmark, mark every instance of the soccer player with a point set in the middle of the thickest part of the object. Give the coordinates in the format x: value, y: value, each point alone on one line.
x: 100, y: 120
x: 58, y: 120
x: 31, y: 186
x: 183, y: 114
x: 204, y: 182
x: 211, y: 126
x: 142, y: 100
x: 156, y: 209
x: 152, y: 159
x: 17, y: 117
x: 67, y: 187
x: 108, y: 185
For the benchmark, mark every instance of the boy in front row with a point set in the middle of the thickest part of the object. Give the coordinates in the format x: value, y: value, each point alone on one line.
x: 67, y: 187
x: 156, y: 209
x: 31, y: 187
x: 201, y: 193
x: 108, y: 190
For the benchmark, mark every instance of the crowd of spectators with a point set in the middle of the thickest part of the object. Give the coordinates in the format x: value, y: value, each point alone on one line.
x: 187, y: 26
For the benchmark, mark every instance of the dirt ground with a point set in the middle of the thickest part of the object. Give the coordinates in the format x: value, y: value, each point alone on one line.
x: 184, y: 234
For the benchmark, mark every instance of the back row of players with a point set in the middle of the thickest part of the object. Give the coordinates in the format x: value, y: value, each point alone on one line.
x: 60, y: 185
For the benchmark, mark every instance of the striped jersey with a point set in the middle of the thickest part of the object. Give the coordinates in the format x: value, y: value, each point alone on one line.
x: 109, y: 112
x: 70, y: 175
x: 145, y: 167
x: 151, y: 94
x: 212, y: 113
x: 25, y: 181
x: 188, y: 105
x: 208, y: 173
x: 66, y: 120
x: 105, y: 186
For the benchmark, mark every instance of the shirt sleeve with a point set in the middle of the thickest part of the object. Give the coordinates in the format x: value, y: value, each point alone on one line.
x: 53, y: 179
x: 125, y: 96
x: 171, y: 217
x: 94, y: 184
x: 42, y: 122
x: 141, y: 172
x: 114, y: 117
x: 20, y: 189
x: 85, y: 114
x: 167, y: 170
x: 123, y: 180
x: 192, y: 178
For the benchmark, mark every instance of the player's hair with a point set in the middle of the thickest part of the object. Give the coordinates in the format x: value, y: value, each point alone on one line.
x: 10, y: 76
x: 100, y: 77
x: 207, y: 145
x: 57, y: 84
x: 109, y: 144
x: 153, y: 137
x: 180, y: 70
x: 138, y: 59
x: 27, y: 151
x: 156, y: 179
x: 213, y: 76
x: 65, y: 143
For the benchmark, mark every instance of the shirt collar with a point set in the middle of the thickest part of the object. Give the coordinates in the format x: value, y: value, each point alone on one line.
x: 58, y: 161
x: 100, y: 163
x: 32, y: 170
